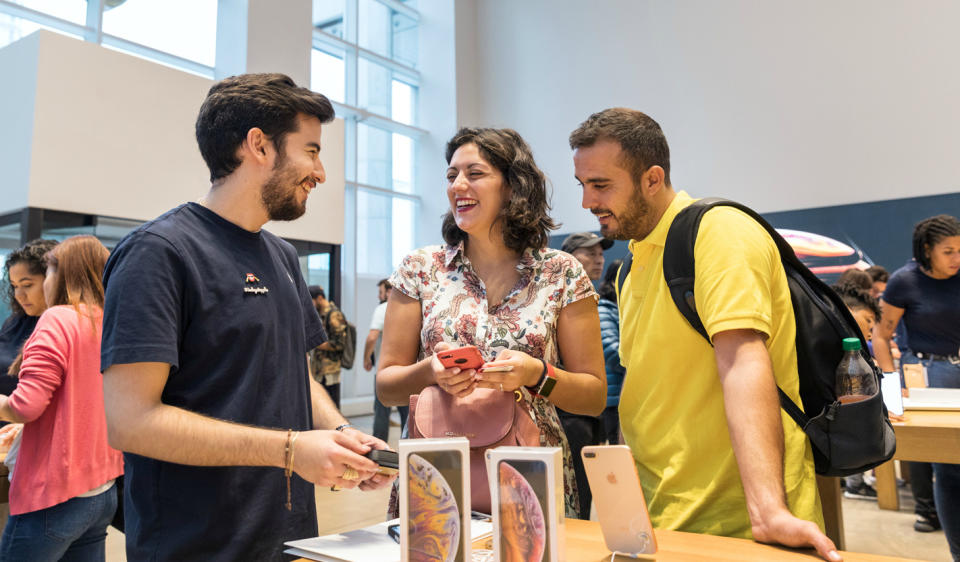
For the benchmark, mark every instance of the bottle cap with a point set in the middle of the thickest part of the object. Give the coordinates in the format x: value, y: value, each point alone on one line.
x: 851, y: 344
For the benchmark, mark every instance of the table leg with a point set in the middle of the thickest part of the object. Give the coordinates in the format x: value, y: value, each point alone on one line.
x: 831, y: 499
x: 887, y: 495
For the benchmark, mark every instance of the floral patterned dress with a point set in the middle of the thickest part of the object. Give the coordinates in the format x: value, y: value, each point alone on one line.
x: 455, y: 310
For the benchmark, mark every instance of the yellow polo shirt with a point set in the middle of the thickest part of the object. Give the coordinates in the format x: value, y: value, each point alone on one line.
x: 671, y: 405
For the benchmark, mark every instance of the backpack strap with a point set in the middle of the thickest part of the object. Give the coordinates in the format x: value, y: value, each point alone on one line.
x: 623, y: 272
x: 679, y: 270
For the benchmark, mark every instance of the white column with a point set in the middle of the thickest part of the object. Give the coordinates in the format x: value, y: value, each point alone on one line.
x: 264, y: 36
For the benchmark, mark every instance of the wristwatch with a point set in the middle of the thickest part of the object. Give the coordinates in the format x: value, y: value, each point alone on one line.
x: 548, y: 380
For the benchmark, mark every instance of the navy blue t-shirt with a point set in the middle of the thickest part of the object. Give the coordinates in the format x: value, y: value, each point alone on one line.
x: 931, y: 309
x: 14, y: 333
x: 228, y: 309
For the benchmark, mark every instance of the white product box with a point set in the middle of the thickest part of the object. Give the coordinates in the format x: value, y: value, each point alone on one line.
x: 435, y: 500
x: 526, y: 495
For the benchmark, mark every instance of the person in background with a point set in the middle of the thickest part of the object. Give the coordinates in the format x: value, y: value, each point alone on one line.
x: 62, y: 496
x: 713, y: 450
x: 371, y: 351
x: 24, y: 271
x: 880, y: 278
x: 206, y: 331
x: 925, y: 294
x: 610, y: 336
x: 581, y: 430
x: 325, y: 358
x: 496, y: 285
x: 866, y: 311
x: 855, y: 278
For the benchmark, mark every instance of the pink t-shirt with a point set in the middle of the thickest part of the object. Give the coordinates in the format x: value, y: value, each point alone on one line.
x: 64, y: 450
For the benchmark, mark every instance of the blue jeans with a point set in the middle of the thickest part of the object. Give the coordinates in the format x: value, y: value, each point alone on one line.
x: 381, y: 418
x: 946, y: 483
x: 75, y: 530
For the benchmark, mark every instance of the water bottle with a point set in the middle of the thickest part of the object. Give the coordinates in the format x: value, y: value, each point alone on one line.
x: 855, y: 378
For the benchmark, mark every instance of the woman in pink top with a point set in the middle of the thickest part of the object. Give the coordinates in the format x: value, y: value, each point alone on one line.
x: 62, y: 496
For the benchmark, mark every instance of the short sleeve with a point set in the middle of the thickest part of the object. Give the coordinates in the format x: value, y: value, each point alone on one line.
x: 897, y: 291
x: 410, y: 276
x: 578, y: 284
x: 313, y: 331
x: 379, y: 317
x: 736, y: 261
x: 144, y: 283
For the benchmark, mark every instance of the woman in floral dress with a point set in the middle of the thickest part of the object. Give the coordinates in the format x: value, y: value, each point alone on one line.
x: 496, y: 285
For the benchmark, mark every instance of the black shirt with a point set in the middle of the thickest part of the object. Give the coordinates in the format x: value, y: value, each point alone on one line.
x: 228, y: 309
x: 15, y: 331
x: 930, y: 306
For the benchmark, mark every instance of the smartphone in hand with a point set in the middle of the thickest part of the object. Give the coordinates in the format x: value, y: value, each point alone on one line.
x: 388, y: 460
x: 466, y: 357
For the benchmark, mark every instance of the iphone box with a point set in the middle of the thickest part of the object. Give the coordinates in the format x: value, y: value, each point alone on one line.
x: 435, y: 500
x: 526, y: 495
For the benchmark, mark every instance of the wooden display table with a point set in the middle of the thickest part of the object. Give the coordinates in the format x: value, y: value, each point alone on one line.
x: 925, y: 436
x: 584, y: 543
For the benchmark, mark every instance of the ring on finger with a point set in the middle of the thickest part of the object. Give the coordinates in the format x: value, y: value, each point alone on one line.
x: 350, y: 474
x: 501, y: 387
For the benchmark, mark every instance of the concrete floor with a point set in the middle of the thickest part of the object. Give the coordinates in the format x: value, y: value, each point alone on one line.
x: 868, y: 528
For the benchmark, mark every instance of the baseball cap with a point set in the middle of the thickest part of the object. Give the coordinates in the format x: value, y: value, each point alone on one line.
x: 579, y: 240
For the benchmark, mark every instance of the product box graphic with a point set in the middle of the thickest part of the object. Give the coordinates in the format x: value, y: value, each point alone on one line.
x: 435, y: 500
x: 526, y: 495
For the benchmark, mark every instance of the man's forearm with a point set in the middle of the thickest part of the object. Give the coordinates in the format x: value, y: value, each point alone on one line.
x: 325, y: 412
x: 175, y: 435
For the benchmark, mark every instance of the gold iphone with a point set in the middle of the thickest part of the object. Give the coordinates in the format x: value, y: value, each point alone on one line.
x: 619, y: 499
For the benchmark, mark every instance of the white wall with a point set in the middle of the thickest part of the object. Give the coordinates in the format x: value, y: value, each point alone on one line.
x: 112, y: 134
x: 782, y: 105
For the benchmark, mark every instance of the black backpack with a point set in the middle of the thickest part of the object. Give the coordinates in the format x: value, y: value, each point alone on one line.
x: 848, y: 438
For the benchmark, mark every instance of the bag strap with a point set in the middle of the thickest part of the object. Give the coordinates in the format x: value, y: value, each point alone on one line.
x: 679, y: 271
x: 622, y: 273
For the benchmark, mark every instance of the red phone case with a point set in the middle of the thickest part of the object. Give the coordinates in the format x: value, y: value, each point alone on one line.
x: 466, y: 357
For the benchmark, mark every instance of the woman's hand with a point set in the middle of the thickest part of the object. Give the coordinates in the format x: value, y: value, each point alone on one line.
x: 524, y: 371
x: 457, y: 382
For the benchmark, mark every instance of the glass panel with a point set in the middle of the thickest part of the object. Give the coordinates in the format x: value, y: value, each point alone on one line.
x: 374, y: 232
x: 327, y: 75
x: 328, y: 16
x: 151, y: 23
x: 402, y: 163
x: 403, y: 225
x: 374, y: 87
x: 374, y: 26
x: 373, y: 156
x: 316, y: 270
x: 108, y: 230
x: 13, y: 29
x: 404, y: 39
x: 9, y: 241
x: 71, y: 10
x: 402, y: 98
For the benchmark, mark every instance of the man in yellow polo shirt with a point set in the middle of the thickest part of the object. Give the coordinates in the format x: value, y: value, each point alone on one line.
x: 714, y: 452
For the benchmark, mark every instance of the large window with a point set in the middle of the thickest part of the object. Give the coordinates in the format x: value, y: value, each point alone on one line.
x: 365, y: 60
x: 139, y: 27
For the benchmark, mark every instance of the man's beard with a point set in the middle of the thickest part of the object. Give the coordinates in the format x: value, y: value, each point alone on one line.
x: 279, y: 198
x: 634, y: 224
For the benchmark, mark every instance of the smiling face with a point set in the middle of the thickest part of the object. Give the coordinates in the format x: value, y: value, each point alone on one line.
x: 945, y: 258
x: 610, y: 193
x: 475, y: 190
x: 296, y: 171
x: 27, y: 289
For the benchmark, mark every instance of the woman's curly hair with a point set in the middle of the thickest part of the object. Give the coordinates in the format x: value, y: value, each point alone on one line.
x: 928, y: 233
x: 524, y: 219
x: 32, y: 255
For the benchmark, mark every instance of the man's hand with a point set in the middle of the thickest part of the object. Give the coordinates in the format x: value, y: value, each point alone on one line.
x: 378, y: 480
x: 783, y: 528
x: 323, y: 456
x: 367, y: 363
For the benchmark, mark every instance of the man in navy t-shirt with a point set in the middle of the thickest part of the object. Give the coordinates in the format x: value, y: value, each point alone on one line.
x: 206, y: 329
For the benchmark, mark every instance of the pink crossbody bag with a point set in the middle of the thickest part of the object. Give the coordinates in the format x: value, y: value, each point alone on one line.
x: 487, y: 418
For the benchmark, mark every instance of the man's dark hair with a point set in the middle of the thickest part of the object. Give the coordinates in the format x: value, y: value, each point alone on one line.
x: 640, y: 137
x: 608, y: 289
x: 32, y: 254
x: 929, y: 232
x: 524, y: 215
x: 856, y: 278
x: 237, y: 104
x: 856, y: 298
x: 316, y: 291
x: 878, y: 274
x: 385, y: 283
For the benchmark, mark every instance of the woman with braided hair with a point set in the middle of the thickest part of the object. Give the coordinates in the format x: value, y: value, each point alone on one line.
x: 926, y: 294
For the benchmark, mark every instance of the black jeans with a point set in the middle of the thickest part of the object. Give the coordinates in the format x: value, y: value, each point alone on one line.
x: 921, y: 484
x: 581, y: 431
x: 381, y: 419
